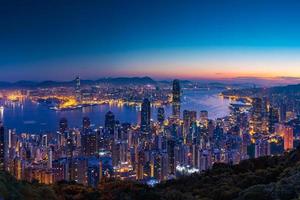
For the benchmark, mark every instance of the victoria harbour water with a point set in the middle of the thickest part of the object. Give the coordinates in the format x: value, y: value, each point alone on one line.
x: 29, y: 117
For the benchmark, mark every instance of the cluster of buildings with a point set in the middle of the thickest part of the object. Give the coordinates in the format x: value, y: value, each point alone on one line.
x: 153, y: 150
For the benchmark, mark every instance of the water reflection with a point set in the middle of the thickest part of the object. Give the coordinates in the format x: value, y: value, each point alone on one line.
x: 19, y: 115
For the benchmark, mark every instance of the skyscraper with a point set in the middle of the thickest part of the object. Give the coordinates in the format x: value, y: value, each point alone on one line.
x: 176, y: 99
x: 288, y: 137
x: 86, y: 123
x: 2, y: 148
x: 77, y: 89
x: 282, y: 112
x: 186, y: 124
x: 256, y: 116
x: 171, y: 156
x: 89, y: 143
x: 145, y: 116
x: 204, y: 117
x: 161, y: 115
x: 273, y: 118
x: 110, y: 122
x: 63, y: 125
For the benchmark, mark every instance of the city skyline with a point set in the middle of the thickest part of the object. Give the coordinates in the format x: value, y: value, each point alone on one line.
x: 216, y: 40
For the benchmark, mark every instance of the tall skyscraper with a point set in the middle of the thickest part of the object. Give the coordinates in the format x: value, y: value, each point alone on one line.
x: 288, y: 137
x: 176, y: 99
x: 282, y: 112
x: 110, y: 122
x: 2, y: 148
x: 204, y: 117
x: 140, y: 164
x: 161, y: 115
x: 256, y: 116
x: 145, y: 116
x: 86, y: 123
x: 273, y: 118
x: 171, y: 156
x: 63, y: 125
x: 89, y: 143
x: 78, y: 89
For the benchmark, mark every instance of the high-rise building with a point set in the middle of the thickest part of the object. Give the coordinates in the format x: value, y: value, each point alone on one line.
x: 171, y: 156
x: 262, y: 148
x: 287, y: 133
x: 86, y: 123
x: 2, y: 148
x: 203, y: 116
x: 256, y: 116
x: 116, y: 153
x: 288, y: 137
x: 140, y: 164
x: 50, y: 158
x: 110, y: 122
x: 45, y: 140
x: 176, y: 99
x: 273, y: 118
x: 145, y: 115
x: 282, y: 112
x: 63, y: 125
x: 89, y: 143
x: 161, y: 115
x: 189, y: 117
x: 78, y: 89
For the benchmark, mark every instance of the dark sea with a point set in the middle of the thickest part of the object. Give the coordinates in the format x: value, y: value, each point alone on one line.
x: 29, y: 117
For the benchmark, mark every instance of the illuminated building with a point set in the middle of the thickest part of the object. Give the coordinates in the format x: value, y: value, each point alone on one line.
x: 2, y: 148
x: 63, y: 127
x: 124, y: 171
x: 171, y: 156
x: 176, y: 99
x: 145, y: 116
x: 44, y: 140
x: 93, y: 173
x: 116, y: 150
x: 77, y: 89
x: 86, y: 123
x: 161, y: 115
x: 282, y: 112
x: 262, y: 147
x: 189, y: 117
x: 60, y: 168
x: 203, y: 117
x: 78, y: 170
x: 50, y: 158
x: 110, y: 122
x: 140, y: 165
x: 288, y: 137
x: 159, y: 163
x: 204, y: 160
x: 273, y: 118
x: 256, y: 116
x: 89, y: 143
x: 69, y: 146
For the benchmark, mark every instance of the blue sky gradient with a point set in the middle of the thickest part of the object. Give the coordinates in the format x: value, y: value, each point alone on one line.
x: 163, y: 39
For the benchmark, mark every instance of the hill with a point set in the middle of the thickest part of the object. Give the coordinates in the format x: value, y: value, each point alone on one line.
x: 45, y: 84
x: 263, y: 178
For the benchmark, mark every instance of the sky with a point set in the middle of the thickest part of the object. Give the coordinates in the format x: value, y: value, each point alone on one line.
x: 163, y: 39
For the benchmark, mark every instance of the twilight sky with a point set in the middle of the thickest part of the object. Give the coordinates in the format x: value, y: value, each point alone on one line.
x: 212, y: 39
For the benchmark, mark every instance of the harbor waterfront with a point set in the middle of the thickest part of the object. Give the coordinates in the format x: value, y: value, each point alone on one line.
x: 29, y: 117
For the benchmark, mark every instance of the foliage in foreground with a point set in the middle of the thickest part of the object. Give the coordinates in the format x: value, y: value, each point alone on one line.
x: 264, y: 178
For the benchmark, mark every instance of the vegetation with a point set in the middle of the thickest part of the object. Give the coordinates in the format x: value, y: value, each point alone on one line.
x: 264, y: 178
